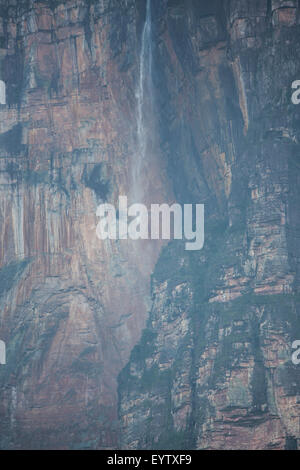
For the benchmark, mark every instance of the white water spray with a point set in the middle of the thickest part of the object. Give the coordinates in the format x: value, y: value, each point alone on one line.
x: 144, y: 98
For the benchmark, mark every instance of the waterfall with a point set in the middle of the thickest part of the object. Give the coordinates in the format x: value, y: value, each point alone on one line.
x: 144, y: 99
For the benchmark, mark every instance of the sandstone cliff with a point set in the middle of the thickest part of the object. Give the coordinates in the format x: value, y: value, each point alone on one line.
x: 72, y: 307
x: 213, y: 367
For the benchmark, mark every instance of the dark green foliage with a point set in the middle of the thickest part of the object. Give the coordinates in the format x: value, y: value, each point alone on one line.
x: 10, y: 273
x: 291, y: 443
x: 223, y: 248
x: 12, y: 73
x: 96, y: 181
x: 171, y: 439
x: 36, y: 177
x: 11, y: 140
x: 87, y: 26
x: 289, y: 377
x: 138, y: 355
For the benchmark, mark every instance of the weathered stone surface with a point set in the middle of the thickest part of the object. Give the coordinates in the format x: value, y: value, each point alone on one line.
x: 214, y: 369
x: 72, y: 307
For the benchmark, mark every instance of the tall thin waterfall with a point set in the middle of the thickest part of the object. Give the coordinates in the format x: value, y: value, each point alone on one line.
x: 144, y: 99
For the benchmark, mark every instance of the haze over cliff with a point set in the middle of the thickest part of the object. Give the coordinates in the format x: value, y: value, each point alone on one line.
x: 143, y: 344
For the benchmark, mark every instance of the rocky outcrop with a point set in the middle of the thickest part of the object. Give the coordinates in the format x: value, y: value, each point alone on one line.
x: 213, y: 369
x: 72, y: 307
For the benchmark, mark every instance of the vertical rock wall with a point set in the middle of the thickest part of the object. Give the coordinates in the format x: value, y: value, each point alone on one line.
x: 71, y: 306
x: 213, y: 369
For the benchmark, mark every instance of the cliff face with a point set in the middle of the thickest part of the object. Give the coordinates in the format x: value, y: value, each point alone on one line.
x: 72, y: 307
x: 213, y: 368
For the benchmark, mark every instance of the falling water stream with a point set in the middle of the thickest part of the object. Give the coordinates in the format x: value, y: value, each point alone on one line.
x: 144, y: 100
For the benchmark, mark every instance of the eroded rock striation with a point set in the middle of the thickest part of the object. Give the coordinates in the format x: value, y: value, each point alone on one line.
x: 72, y: 306
x: 213, y: 367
